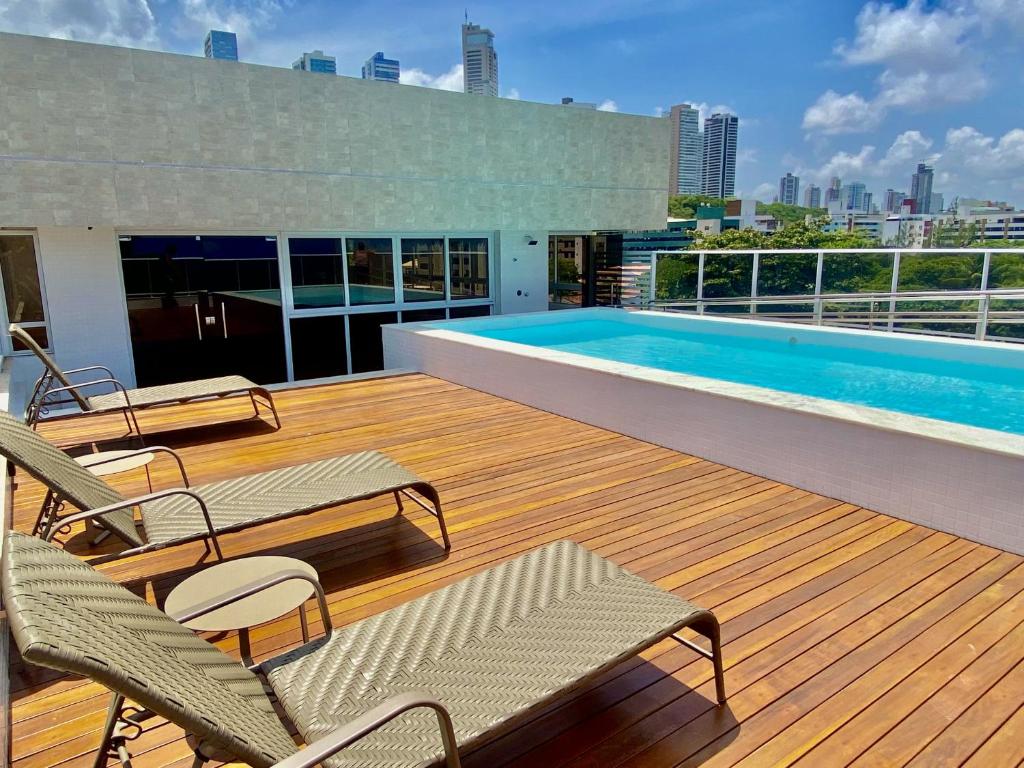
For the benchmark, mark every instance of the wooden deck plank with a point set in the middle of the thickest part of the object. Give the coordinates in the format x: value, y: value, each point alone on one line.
x: 844, y: 630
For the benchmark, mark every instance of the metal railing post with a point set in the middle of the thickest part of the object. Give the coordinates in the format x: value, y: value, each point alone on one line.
x: 700, y: 283
x: 892, y: 289
x: 652, y: 276
x: 818, y: 308
x: 984, y: 303
x: 755, y: 266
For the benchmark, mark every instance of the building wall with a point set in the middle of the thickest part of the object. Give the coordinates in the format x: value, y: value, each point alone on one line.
x: 102, y: 136
x: 523, y: 278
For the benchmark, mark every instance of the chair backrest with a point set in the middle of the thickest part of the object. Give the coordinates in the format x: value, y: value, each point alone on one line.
x: 52, y: 368
x: 25, y: 448
x: 67, y: 616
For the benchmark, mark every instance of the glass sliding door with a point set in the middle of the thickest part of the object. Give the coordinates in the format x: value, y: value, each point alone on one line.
x: 318, y: 274
x: 423, y: 269
x: 22, y: 287
x: 203, y: 305
x: 469, y: 267
x: 371, y: 270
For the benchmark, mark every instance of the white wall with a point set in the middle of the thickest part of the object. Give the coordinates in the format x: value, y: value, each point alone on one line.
x: 87, y: 315
x: 523, y: 272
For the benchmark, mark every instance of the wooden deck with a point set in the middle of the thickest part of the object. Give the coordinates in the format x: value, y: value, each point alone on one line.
x: 851, y: 638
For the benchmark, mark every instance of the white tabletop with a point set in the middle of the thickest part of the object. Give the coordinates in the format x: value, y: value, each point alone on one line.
x: 259, y: 608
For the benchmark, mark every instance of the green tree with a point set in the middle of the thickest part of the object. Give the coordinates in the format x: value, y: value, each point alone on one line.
x: 685, y: 206
x: 789, y: 214
x: 797, y: 235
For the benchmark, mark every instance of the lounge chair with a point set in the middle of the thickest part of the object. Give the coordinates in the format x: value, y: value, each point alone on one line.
x: 202, y: 512
x: 46, y: 395
x: 419, y: 682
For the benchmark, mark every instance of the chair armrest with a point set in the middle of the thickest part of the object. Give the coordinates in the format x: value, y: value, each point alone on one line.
x: 352, y: 731
x: 117, y: 385
x: 89, y: 514
x: 150, y: 449
x: 257, y: 586
x: 110, y: 373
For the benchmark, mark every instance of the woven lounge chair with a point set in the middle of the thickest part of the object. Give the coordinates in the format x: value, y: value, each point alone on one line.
x: 46, y: 394
x: 202, y: 512
x: 468, y: 661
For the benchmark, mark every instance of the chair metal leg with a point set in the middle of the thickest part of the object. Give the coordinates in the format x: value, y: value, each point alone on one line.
x: 430, y: 493
x: 398, y: 501
x: 707, y: 625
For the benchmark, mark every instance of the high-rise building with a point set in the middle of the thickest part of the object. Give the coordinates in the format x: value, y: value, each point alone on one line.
x: 832, y: 192
x: 894, y: 200
x: 851, y: 196
x: 479, y: 61
x: 869, y: 202
x: 812, y: 196
x: 379, y: 68
x: 921, y: 187
x: 789, y: 189
x: 684, y: 173
x: 936, y: 203
x: 718, y: 166
x: 316, y: 61
x: 221, y: 45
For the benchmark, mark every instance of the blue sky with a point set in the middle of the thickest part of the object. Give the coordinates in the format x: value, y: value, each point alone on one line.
x: 822, y: 88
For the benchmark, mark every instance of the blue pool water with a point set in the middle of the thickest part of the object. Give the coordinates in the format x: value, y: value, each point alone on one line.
x: 895, y: 374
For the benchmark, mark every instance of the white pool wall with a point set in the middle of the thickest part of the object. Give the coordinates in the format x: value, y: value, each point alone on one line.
x: 963, y: 480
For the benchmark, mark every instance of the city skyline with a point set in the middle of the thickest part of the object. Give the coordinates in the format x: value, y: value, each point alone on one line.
x: 870, y: 88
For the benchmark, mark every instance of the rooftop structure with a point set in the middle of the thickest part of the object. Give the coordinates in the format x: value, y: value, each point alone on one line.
x: 377, y: 67
x: 569, y: 101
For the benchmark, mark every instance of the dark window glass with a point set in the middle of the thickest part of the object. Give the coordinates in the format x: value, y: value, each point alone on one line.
x: 367, y: 343
x: 38, y: 333
x: 476, y: 311
x: 422, y: 315
x: 423, y: 269
x: 469, y: 272
x: 317, y: 278
x: 318, y: 347
x: 371, y: 274
x: 21, y: 279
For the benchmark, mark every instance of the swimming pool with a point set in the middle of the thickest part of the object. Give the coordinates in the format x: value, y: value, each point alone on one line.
x: 925, y: 429
x: 915, y: 376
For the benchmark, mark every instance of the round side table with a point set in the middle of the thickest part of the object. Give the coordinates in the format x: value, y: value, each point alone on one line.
x: 107, y: 463
x: 266, y: 605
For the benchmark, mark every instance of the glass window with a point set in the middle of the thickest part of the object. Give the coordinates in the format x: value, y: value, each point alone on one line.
x: 318, y: 347
x: 477, y: 311
x: 469, y: 272
x: 422, y: 315
x: 21, y: 279
x: 367, y: 344
x: 371, y: 272
x: 423, y: 269
x: 317, y: 277
x: 22, y: 292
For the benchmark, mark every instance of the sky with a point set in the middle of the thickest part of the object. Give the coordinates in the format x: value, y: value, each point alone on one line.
x: 822, y: 88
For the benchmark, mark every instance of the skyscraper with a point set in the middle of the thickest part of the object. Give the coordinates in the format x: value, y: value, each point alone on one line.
x: 718, y: 166
x: 789, y: 189
x: 894, y: 200
x: 852, y: 196
x: 812, y: 196
x: 937, y: 203
x: 479, y: 61
x: 684, y: 174
x: 221, y: 45
x: 316, y: 61
x: 921, y: 188
x: 832, y: 193
x: 379, y: 68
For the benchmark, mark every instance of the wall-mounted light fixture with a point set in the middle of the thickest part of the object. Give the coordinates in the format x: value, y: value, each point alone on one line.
x: 531, y: 240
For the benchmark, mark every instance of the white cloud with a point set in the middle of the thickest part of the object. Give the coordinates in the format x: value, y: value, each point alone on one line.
x: 242, y: 18
x: 930, y: 56
x: 448, y: 81
x: 907, y: 38
x: 114, y: 22
x: 659, y: 112
x: 833, y: 113
x: 981, y: 155
x: 707, y: 110
x: 908, y: 148
x: 746, y: 156
x: 608, y: 106
x: 512, y: 93
x: 765, y: 192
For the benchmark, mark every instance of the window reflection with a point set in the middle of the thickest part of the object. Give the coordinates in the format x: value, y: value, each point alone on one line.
x: 317, y: 279
x: 371, y: 274
x: 423, y: 269
x: 469, y: 271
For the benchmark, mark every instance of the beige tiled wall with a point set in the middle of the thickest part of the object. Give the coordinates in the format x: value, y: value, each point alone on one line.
x: 102, y: 136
